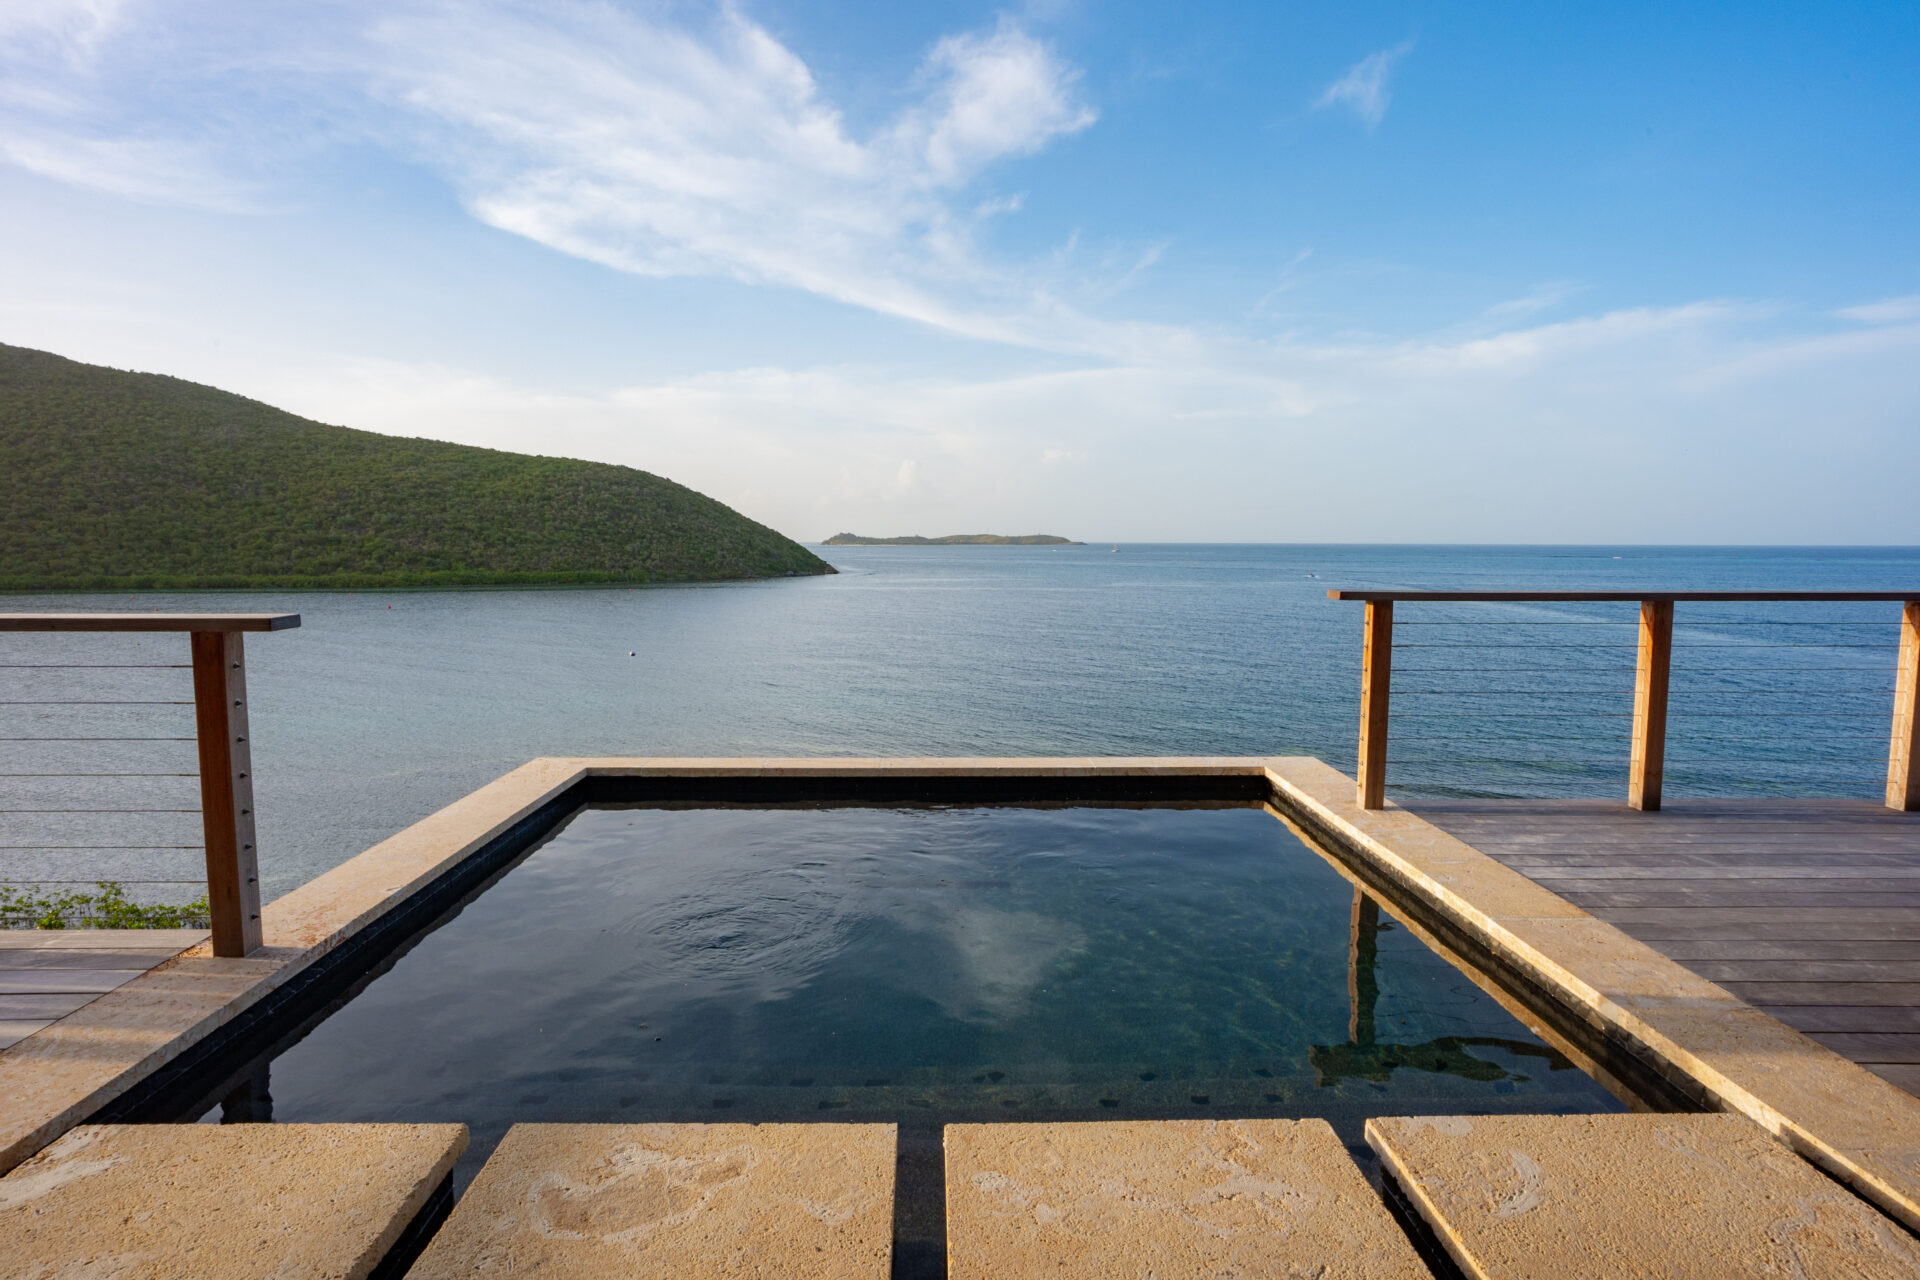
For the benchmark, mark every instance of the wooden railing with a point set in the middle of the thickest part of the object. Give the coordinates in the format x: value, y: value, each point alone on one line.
x: 226, y: 762
x: 1651, y: 680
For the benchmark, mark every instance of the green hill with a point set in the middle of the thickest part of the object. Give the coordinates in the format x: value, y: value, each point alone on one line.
x: 955, y: 540
x: 129, y: 480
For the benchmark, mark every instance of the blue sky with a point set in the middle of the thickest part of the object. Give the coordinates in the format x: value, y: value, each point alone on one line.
x: 1202, y: 272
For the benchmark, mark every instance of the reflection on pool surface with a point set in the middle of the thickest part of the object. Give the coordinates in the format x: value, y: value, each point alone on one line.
x: 919, y: 965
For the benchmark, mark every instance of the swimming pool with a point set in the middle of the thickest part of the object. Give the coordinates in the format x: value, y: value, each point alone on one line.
x: 918, y: 964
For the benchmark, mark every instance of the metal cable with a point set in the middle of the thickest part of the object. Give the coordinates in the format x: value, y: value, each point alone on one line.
x: 1502, y: 693
x: 1628, y: 693
x: 113, y: 879
x: 1513, y: 715
x: 89, y: 848
x: 1799, y: 737
x: 1632, y: 622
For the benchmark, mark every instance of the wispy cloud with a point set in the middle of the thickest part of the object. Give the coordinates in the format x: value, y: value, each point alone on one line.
x: 149, y: 170
x: 1364, y: 88
x: 666, y: 150
x: 67, y: 28
x: 1774, y: 424
x: 1716, y: 385
x: 1885, y: 311
x: 684, y: 141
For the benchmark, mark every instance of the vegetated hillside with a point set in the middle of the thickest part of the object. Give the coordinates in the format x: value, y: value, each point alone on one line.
x: 126, y: 480
x: 955, y: 540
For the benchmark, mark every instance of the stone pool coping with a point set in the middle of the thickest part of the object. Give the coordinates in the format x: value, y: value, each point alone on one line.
x: 1844, y: 1118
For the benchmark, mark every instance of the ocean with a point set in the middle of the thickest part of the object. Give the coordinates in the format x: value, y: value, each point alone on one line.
x: 386, y: 705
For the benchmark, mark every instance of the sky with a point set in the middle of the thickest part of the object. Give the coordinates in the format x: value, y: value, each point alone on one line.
x: 1212, y: 272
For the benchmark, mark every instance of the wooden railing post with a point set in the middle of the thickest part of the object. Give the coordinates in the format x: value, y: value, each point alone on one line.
x: 1650, y: 704
x: 226, y: 790
x: 1376, y: 684
x: 1903, y: 781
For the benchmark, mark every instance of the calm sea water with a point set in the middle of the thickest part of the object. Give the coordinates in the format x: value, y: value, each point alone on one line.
x: 385, y: 706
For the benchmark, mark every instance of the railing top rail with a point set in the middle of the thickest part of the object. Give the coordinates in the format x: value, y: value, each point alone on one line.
x: 1497, y: 596
x: 130, y: 621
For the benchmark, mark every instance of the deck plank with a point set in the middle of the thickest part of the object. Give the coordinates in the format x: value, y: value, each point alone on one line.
x: 14, y: 1030
x: 13, y: 960
x: 15, y: 982
x: 44, y: 1007
x: 1809, y: 909
x: 1793, y: 949
x: 1811, y: 1018
x: 1803, y: 970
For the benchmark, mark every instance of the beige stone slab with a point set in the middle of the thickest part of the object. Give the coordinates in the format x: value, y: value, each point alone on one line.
x: 1675, y: 1196
x: 220, y: 1202
x: 1856, y: 1125
x: 1167, y: 1199
x: 796, y: 1201
x: 916, y: 766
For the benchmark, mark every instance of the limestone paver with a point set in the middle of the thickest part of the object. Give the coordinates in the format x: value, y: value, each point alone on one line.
x: 1167, y: 1199
x: 1675, y: 1196
x: 795, y: 1201
x: 220, y: 1202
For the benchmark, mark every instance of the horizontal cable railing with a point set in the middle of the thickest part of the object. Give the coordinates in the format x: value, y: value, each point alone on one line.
x: 115, y: 773
x: 1582, y: 694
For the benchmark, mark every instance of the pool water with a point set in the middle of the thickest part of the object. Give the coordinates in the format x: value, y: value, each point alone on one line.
x: 922, y: 966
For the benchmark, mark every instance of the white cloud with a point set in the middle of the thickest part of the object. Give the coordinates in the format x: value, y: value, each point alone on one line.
x: 1000, y: 94
x: 1770, y: 425
x: 149, y: 170
x: 68, y: 28
x: 1764, y: 434
x: 649, y: 142
x: 663, y: 150
x: 1364, y: 88
x: 1885, y: 311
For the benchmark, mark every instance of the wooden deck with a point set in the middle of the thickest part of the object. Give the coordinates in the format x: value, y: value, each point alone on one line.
x: 46, y: 974
x: 1809, y: 909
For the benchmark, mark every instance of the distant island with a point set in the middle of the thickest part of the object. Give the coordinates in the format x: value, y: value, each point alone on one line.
x: 955, y: 540
x: 121, y: 480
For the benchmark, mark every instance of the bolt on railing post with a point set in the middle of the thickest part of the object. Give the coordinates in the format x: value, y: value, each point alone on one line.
x: 1903, y: 781
x: 226, y: 790
x: 1376, y: 683
x: 1650, y: 704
